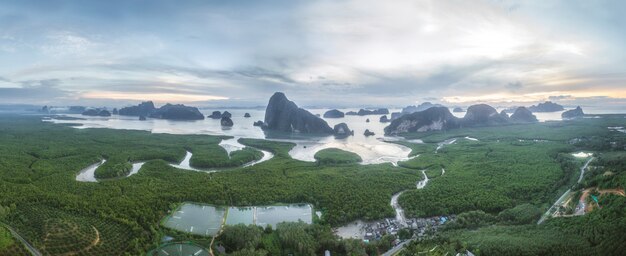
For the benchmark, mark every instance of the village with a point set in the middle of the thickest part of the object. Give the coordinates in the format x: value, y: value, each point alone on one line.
x: 419, y: 227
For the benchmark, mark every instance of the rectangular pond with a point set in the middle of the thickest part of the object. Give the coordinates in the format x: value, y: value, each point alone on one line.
x: 272, y: 215
x: 207, y: 220
x: 240, y: 215
x: 197, y: 219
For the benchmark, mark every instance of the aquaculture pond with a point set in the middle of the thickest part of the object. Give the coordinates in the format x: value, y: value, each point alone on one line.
x: 197, y: 219
x: 240, y: 215
x: 272, y: 215
x: 207, y: 220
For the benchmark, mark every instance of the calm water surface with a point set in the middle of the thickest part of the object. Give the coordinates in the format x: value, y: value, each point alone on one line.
x: 372, y: 149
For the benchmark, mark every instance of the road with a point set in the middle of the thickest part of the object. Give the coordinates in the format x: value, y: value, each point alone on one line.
x: 28, y: 246
x: 560, y: 200
x: 397, y: 248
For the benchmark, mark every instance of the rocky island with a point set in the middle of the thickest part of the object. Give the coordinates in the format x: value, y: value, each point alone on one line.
x: 96, y: 112
x: 420, y: 107
x: 226, y: 121
x: 365, y: 112
x: 341, y: 130
x: 215, y: 115
x: 523, y: 115
x: 167, y: 111
x: 285, y: 116
x: 333, y: 113
x: 432, y: 119
x: 144, y: 109
x: 573, y: 113
x: 440, y: 118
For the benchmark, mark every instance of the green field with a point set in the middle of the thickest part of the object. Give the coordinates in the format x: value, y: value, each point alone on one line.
x: 496, y: 185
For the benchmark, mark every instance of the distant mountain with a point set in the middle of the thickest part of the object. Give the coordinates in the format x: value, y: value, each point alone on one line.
x: 167, y: 111
x: 482, y: 114
x: 366, y: 112
x: 420, y: 107
x: 143, y: 109
x: 96, y: 112
x: 573, y: 113
x: 285, y: 116
x: 177, y: 112
x: 523, y: 115
x: 440, y: 118
x: 547, y: 106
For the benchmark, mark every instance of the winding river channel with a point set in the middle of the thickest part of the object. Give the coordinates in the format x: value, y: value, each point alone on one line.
x: 394, y: 199
x: 230, y: 145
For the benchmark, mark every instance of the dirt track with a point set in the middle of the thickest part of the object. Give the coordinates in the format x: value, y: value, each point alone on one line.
x: 586, y: 192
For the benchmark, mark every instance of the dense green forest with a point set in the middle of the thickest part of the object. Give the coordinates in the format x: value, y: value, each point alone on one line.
x: 336, y: 156
x: 497, y: 185
x: 295, y: 239
x: 514, y: 231
x: 114, y: 167
x: 39, y: 162
x: 214, y: 156
x: 485, y: 175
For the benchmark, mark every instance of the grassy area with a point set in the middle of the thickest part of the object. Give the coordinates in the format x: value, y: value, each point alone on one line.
x: 336, y: 156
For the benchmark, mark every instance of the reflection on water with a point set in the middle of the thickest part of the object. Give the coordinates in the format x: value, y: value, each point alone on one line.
x: 185, y: 165
x: 240, y: 215
x: 371, y: 149
x: 272, y: 215
x: 135, y: 169
x: 205, y: 220
x: 88, y: 174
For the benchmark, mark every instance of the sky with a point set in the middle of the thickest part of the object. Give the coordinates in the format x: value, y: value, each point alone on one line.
x: 320, y: 53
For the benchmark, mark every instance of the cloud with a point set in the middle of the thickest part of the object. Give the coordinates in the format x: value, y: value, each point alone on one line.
x: 320, y: 52
x: 560, y: 97
x: 34, y: 92
x: 514, y: 86
x: 64, y: 43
